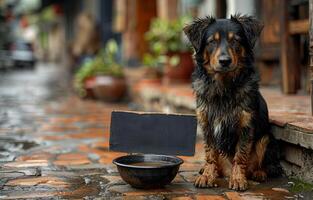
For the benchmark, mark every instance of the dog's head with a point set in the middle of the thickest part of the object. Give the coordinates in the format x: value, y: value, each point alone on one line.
x: 224, y: 44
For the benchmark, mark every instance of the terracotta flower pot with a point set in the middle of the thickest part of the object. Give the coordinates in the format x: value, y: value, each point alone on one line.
x: 182, y: 72
x: 108, y: 88
x: 89, y: 84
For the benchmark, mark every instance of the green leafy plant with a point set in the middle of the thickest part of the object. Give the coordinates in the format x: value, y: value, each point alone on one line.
x: 103, y: 64
x: 165, y: 37
x: 300, y: 186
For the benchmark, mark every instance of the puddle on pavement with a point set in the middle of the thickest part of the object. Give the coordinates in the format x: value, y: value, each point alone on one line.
x: 87, y: 186
x: 9, y: 145
x: 267, y: 194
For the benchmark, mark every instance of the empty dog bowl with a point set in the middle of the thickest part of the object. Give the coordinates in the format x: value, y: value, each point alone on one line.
x: 148, y: 171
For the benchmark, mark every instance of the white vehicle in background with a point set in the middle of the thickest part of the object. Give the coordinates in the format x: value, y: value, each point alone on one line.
x: 22, y: 54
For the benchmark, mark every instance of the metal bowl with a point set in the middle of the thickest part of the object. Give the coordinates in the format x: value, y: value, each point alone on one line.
x: 148, y: 171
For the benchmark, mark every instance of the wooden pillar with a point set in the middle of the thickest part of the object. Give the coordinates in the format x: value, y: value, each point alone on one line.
x: 138, y: 17
x: 129, y: 37
x: 167, y: 9
x: 221, y: 8
x: 146, y: 11
x: 290, y: 53
x: 311, y: 51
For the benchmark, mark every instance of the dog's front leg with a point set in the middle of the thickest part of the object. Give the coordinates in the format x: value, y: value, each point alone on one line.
x: 209, y: 172
x: 238, y: 180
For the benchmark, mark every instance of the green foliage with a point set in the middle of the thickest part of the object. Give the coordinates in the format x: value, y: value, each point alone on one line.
x: 103, y: 64
x: 163, y: 37
x: 166, y: 36
x: 174, y: 61
x: 301, y: 186
x: 154, y: 61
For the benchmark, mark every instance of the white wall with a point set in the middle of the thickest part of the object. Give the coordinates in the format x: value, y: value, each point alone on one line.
x: 207, y: 7
x: 240, y: 6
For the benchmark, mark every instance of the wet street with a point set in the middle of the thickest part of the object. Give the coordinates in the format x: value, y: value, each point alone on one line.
x: 51, y: 143
x: 54, y: 145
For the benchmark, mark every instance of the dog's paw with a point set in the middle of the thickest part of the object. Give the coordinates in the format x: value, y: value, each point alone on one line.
x: 259, y: 176
x: 203, y: 181
x: 238, y: 183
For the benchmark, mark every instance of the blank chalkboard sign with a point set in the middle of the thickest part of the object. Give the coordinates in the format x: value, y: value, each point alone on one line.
x: 153, y: 133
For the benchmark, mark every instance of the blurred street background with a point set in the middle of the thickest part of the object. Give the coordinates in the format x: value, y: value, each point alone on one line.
x: 65, y: 65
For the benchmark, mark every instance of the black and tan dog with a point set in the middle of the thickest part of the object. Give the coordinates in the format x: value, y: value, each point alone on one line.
x: 231, y: 112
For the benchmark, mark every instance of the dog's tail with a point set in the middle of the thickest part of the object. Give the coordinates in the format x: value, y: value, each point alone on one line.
x: 271, y: 162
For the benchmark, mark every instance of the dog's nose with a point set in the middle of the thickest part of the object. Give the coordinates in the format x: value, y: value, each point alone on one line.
x: 225, y: 61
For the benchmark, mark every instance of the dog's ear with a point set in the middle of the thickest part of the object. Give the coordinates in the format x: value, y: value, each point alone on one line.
x: 251, y: 26
x: 196, y: 31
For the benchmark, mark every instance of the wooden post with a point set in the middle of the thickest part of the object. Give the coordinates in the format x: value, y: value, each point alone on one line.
x: 290, y: 54
x: 220, y: 8
x: 129, y: 36
x: 139, y: 15
x: 145, y: 12
x: 167, y: 9
x: 311, y: 50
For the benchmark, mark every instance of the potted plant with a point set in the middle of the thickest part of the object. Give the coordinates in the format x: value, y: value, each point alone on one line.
x: 167, y: 48
x: 102, y: 76
x: 84, y: 80
x: 153, y: 68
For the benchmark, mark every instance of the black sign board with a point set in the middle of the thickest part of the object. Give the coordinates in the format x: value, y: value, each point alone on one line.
x: 153, y: 133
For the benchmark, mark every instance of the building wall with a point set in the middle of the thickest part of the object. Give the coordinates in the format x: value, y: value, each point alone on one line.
x: 240, y: 6
x: 207, y: 7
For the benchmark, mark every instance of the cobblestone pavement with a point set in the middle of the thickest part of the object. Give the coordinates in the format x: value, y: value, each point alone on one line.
x: 55, y: 146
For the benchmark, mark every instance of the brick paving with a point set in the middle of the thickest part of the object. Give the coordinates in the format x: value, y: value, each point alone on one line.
x: 57, y: 148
